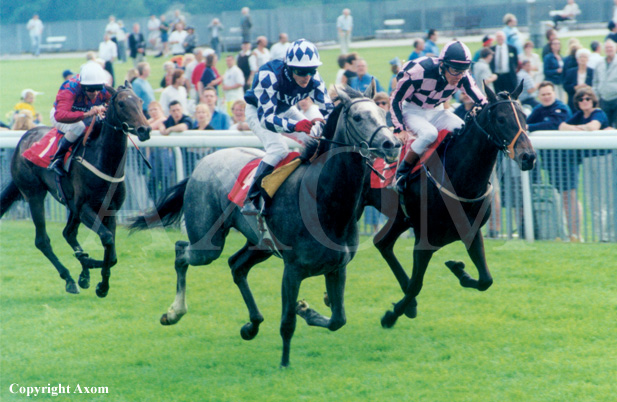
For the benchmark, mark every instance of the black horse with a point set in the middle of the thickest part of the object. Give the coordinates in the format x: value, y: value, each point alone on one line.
x: 94, y: 187
x: 450, y: 200
x: 313, y: 216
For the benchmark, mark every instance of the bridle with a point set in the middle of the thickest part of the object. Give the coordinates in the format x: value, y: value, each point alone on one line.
x: 364, y: 148
x: 501, y: 143
x: 125, y: 128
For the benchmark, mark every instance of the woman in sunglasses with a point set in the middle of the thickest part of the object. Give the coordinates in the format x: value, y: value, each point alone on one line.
x: 423, y: 86
x: 77, y: 102
x: 277, y: 87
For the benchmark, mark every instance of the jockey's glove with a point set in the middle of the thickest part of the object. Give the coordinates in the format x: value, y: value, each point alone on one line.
x: 304, y: 126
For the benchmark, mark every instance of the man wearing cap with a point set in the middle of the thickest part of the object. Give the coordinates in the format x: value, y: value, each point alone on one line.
x: 423, y: 86
x: 487, y: 41
x: 78, y: 101
x: 395, y: 67
x: 278, y: 86
x: 67, y: 74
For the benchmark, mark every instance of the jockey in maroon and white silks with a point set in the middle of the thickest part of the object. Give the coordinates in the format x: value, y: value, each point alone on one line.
x: 423, y: 86
x: 79, y: 98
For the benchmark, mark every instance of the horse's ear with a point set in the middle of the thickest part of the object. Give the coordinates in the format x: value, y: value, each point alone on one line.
x: 127, y: 85
x: 515, y: 94
x: 489, y: 93
x: 342, y: 94
x: 110, y: 89
x: 370, y: 90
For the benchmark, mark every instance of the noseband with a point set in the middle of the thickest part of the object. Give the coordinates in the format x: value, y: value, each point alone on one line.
x: 124, y: 127
x: 501, y: 143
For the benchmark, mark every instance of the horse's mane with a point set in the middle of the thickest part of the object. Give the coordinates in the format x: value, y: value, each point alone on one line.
x: 313, y: 146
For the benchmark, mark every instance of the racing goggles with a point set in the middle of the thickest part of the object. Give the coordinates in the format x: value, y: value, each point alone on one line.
x: 455, y: 71
x: 92, y: 88
x: 304, y: 71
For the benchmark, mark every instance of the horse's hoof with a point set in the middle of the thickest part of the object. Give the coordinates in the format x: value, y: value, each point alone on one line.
x: 457, y: 267
x: 71, y: 287
x: 100, y: 292
x: 389, y: 319
x: 411, y: 311
x: 164, y: 320
x: 249, y: 331
x: 484, y: 285
x: 84, y: 281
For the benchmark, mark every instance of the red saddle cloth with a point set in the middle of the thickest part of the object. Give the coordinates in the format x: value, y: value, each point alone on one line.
x: 238, y: 193
x: 389, y: 170
x: 41, y: 152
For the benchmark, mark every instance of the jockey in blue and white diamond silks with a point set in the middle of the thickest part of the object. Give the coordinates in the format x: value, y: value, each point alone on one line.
x: 277, y: 87
x: 423, y: 86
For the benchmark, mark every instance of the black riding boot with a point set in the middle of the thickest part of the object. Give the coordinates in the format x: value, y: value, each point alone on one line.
x: 404, y: 169
x: 57, y: 161
x: 251, y: 205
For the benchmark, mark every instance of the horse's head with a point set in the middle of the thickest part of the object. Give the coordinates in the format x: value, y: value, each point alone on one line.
x: 364, y: 123
x: 125, y: 109
x: 503, y: 121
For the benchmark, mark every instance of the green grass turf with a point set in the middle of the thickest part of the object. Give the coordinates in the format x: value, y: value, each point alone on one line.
x: 45, y: 75
x: 544, y: 332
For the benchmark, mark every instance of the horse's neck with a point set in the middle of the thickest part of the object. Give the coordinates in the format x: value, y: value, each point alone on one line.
x: 107, y: 152
x: 469, y: 162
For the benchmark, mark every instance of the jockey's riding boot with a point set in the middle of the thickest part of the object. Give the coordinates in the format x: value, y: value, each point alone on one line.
x: 57, y: 161
x: 411, y: 158
x: 251, y: 205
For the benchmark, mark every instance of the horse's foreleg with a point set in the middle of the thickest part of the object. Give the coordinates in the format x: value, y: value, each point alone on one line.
x: 385, y: 240
x: 476, y: 252
x: 42, y: 242
x: 421, y: 259
x: 241, y: 263
x: 70, y: 234
x: 105, y: 229
x: 178, y: 308
x: 335, y: 284
x: 291, y: 287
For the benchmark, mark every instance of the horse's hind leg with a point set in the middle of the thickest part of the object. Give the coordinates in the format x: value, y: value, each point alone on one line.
x: 335, y: 283
x: 476, y: 252
x: 37, y: 208
x: 178, y: 308
x: 240, y: 264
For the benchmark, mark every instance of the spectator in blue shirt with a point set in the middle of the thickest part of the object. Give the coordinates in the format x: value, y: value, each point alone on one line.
x: 142, y: 87
x: 431, y: 48
x: 363, y: 80
x: 220, y: 119
x: 418, y: 49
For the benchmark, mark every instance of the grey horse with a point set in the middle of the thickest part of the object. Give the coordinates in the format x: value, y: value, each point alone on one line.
x: 313, y: 221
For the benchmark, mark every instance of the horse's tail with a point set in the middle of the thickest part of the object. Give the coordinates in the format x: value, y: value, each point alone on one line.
x: 167, y: 211
x: 9, y: 195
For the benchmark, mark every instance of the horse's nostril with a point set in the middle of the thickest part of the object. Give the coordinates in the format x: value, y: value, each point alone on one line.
x: 389, y: 145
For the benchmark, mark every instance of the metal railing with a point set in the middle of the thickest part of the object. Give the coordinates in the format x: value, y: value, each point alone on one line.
x: 570, y: 194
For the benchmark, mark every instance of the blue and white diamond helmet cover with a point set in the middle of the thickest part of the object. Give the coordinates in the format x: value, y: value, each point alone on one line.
x: 302, y: 53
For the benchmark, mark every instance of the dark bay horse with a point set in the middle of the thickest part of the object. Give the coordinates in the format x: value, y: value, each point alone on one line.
x: 94, y: 187
x: 450, y: 200
x: 313, y: 216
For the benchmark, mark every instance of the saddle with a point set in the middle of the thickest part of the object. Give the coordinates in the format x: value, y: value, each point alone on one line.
x: 388, y: 170
x: 270, y: 183
x: 41, y: 152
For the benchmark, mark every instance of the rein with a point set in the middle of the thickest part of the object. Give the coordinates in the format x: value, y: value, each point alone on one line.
x: 502, y: 144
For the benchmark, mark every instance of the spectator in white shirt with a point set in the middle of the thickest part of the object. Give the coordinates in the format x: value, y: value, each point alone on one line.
x: 278, y: 51
x: 344, y: 25
x: 35, y: 29
x: 175, y: 91
x: 261, y: 53
x: 596, y: 54
x: 176, y: 39
x: 233, y: 83
x: 112, y: 29
x: 153, y: 31
x: 108, y: 52
x: 569, y: 12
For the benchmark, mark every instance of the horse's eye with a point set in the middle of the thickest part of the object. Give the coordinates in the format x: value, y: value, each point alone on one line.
x: 121, y: 104
x: 357, y: 118
x: 501, y: 120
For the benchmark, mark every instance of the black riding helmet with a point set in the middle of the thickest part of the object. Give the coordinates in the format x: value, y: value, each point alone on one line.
x: 456, y: 55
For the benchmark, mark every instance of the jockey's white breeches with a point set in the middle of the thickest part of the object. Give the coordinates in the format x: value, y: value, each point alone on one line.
x: 426, y: 124
x: 274, y: 143
x: 71, y: 131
